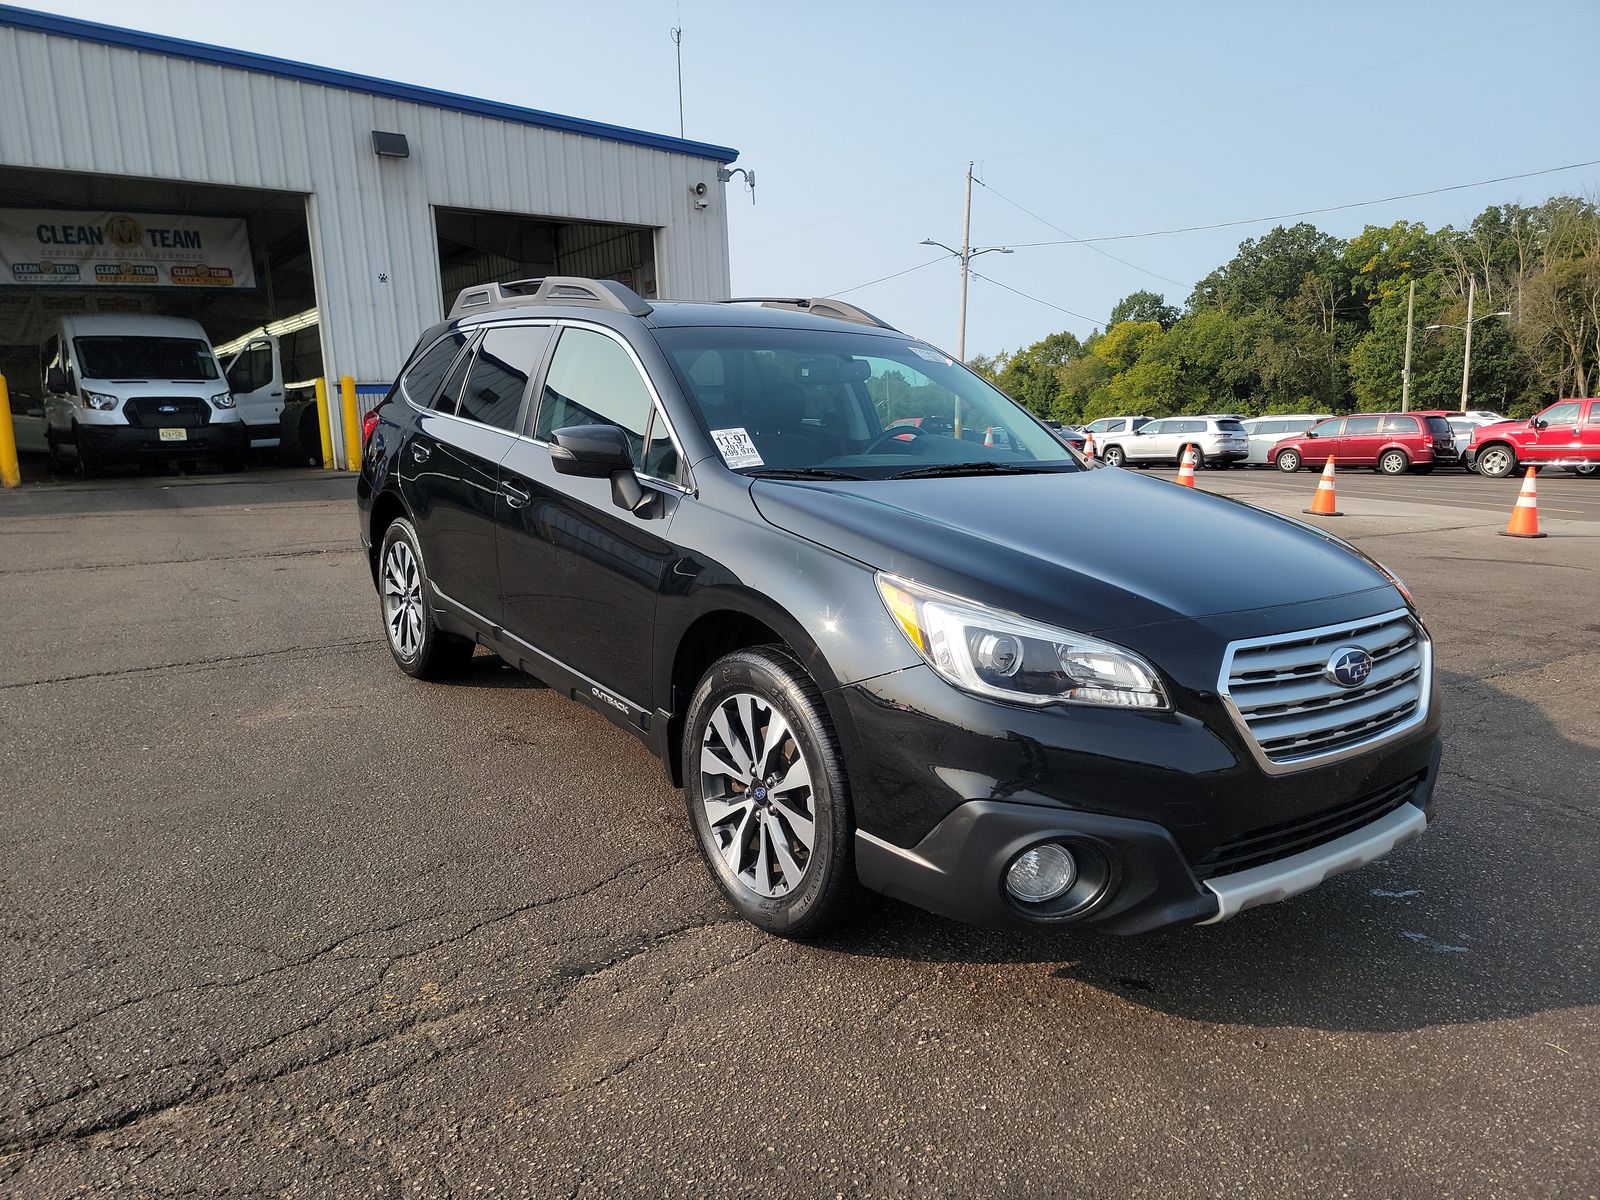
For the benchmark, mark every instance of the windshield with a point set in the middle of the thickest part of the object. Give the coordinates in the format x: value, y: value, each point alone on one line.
x: 833, y: 404
x: 145, y: 358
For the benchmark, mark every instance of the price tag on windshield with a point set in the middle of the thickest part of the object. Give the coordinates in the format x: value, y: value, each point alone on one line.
x: 736, y: 448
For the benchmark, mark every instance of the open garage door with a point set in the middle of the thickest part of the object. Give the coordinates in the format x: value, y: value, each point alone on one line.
x: 486, y: 247
x: 236, y: 260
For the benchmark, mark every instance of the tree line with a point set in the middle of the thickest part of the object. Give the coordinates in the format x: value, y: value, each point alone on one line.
x: 1301, y: 321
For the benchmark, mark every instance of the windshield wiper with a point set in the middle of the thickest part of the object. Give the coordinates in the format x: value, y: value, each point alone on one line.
x: 802, y: 473
x: 985, y: 467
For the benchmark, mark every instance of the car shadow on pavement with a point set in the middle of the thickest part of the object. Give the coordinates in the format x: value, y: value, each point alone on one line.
x: 1482, y: 919
x: 488, y: 670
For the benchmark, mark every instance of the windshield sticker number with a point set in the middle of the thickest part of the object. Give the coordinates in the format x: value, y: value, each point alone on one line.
x: 931, y: 355
x: 736, y: 448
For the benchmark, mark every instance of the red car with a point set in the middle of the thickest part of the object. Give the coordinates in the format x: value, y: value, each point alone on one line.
x: 1393, y: 443
x: 1567, y: 434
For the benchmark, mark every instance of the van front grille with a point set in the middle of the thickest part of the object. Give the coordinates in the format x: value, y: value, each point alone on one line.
x: 1284, y: 695
x: 149, y: 412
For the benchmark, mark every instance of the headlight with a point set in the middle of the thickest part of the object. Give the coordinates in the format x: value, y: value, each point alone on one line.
x: 222, y: 400
x: 99, y: 400
x: 1007, y: 657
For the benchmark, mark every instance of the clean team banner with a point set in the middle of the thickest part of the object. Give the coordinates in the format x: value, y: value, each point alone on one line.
x: 55, y: 248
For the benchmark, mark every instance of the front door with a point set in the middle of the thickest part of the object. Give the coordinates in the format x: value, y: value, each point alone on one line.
x: 1558, y: 439
x: 1321, y: 440
x: 255, y: 377
x: 579, y: 575
x: 1152, y: 442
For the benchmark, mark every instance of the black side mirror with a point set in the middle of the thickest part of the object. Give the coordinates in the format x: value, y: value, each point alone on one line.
x: 1539, y: 423
x: 55, y: 380
x: 599, y: 452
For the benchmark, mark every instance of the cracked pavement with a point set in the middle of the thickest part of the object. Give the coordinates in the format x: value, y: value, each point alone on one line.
x: 277, y: 921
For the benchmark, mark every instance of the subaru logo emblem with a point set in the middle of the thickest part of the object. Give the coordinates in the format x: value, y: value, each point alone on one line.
x: 760, y: 793
x: 1349, y: 666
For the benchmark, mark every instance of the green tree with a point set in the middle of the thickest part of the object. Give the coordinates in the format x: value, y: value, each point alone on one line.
x: 1144, y: 306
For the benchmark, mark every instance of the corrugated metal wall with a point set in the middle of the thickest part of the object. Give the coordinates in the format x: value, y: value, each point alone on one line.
x: 77, y: 106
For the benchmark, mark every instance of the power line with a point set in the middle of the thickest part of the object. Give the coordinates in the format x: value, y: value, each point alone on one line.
x: 886, y: 278
x: 1096, y: 249
x: 1092, y: 321
x: 1306, y: 212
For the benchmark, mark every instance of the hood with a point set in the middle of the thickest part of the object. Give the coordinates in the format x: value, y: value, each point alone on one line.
x: 1094, y: 550
x: 1479, y: 431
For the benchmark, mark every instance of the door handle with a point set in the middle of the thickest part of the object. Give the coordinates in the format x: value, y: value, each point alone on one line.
x: 277, y: 395
x: 514, y: 495
x: 420, y: 452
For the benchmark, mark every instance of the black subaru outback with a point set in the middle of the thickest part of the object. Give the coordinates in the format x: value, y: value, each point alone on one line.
x: 884, y: 629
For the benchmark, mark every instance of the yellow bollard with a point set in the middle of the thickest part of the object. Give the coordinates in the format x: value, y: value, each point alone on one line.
x: 352, y: 424
x: 324, y: 426
x: 10, y: 469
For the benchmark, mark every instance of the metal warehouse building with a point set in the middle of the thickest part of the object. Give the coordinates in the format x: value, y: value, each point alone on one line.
x: 340, y: 212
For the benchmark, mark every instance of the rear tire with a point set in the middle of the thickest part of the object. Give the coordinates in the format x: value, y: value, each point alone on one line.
x: 765, y: 786
x: 1288, y: 460
x: 1587, y: 471
x: 1393, y: 462
x: 419, y: 647
x: 1496, y: 461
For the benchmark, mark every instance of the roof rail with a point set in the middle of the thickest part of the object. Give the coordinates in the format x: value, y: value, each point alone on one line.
x: 821, y: 306
x: 552, y: 289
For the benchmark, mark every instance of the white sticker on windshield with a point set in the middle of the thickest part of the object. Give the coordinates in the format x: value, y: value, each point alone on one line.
x: 736, y: 448
x: 929, y: 353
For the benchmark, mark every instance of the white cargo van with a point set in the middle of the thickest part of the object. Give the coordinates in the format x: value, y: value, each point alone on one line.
x: 120, y: 388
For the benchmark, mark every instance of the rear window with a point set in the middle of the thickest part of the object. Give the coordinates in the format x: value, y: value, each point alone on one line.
x: 421, y: 382
x: 1138, y: 423
x: 1439, y: 427
x: 1231, y: 426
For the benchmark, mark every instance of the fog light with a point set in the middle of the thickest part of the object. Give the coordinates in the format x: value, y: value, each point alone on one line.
x: 1041, y: 874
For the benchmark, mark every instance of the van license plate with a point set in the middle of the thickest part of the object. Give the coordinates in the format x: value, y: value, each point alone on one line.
x: 174, y: 435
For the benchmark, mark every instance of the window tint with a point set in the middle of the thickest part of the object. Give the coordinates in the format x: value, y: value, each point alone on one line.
x: 421, y: 382
x: 1327, y: 429
x: 1401, y: 424
x: 1362, y: 426
x: 1231, y: 426
x: 506, y: 358
x: 1138, y: 423
x: 592, y: 381
x: 1565, y: 413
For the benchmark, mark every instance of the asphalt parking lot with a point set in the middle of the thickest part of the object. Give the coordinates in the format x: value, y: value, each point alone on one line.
x: 279, y: 921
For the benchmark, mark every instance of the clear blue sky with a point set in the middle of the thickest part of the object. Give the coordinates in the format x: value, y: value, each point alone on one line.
x: 1104, y: 118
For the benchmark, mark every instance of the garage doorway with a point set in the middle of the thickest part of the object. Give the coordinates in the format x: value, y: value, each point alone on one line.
x: 478, y: 247
x: 277, y: 298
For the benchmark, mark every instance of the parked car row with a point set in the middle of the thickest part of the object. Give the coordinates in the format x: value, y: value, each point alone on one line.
x: 1566, y: 434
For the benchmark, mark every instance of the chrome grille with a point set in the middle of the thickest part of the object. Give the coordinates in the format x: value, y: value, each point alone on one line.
x: 1295, y: 716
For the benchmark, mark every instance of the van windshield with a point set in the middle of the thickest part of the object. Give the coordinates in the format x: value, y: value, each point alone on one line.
x: 145, y: 358
x: 824, y: 402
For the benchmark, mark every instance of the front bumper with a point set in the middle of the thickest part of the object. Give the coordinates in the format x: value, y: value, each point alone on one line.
x: 112, y: 443
x: 1146, y: 801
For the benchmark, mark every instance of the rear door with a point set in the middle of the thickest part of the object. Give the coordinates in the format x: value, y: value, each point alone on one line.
x: 1362, y: 440
x: 255, y: 377
x: 1589, y: 434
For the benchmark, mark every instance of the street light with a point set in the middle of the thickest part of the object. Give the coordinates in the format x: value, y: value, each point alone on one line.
x: 966, y: 254
x: 1466, y: 358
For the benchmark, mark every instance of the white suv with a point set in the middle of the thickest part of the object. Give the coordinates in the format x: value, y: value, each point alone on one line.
x: 1217, y: 441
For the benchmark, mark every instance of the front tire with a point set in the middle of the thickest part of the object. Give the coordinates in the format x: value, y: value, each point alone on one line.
x: 1114, y: 456
x: 765, y: 787
x: 1393, y: 462
x: 1288, y: 461
x: 419, y: 647
x: 1496, y: 461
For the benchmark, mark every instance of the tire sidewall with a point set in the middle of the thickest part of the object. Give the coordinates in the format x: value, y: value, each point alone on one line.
x: 1386, y: 461
x: 1114, y: 456
x: 400, y: 529
x: 1288, y: 456
x: 768, y: 675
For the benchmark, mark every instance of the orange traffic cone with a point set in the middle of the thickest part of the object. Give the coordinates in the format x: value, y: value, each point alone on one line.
x: 1088, y: 446
x: 1322, y: 504
x: 1525, y: 514
x: 1186, y: 471
x: 988, y: 436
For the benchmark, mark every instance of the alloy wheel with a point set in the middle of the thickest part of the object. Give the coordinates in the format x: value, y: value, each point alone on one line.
x: 1495, y: 462
x: 757, y: 791
x: 1394, y: 463
x: 402, y: 599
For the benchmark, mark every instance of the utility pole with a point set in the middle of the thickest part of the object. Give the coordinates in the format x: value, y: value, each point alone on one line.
x: 1405, y: 371
x: 966, y: 260
x: 677, y: 41
x: 1466, y: 358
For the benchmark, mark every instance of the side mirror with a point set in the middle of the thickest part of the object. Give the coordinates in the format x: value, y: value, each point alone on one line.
x: 599, y: 452
x: 1539, y: 423
x: 55, y: 380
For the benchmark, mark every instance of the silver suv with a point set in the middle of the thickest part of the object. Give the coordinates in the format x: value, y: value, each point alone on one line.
x: 1217, y: 442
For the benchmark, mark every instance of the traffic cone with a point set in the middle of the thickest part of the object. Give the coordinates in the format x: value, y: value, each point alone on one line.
x: 1088, y: 446
x: 1525, y: 513
x: 988, y: 436
x: 1186, y: 471
x: 1322, y: 504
